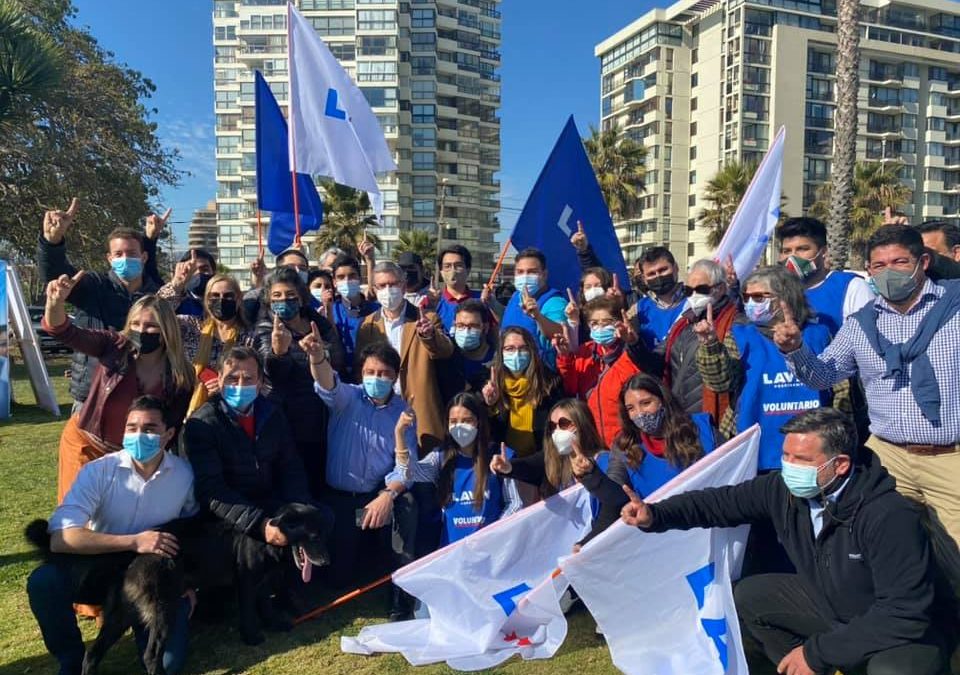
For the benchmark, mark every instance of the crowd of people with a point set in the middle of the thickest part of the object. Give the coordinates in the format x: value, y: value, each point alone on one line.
x: 413, y: 409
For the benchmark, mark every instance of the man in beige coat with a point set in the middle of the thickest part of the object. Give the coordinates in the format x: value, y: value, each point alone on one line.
x: 419, y: 338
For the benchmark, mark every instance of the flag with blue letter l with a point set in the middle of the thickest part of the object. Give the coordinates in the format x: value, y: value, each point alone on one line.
x: 274, y: 181
x: 566, y: 192
x: 664, y: 601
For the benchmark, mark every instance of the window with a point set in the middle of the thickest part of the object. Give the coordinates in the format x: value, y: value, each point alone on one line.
x: 694, y: 55
x: 343, y: 51
x: 424, y: 208
x: 693, y: 104
x: 692, y: 200
x: 816, y: 169
x: 819, y: 89
x: 424, y: 185
x: 693, y: 152
x: 423, y: 114
x: 377, y: 45
x: 423, y: 161
x: 423, y: 65
x: 693, y: 178
x: 333, y: 25
x: 694, y: 80
x: 423, y: 89
x: 225, y: 33
x: 380, y: 97
x: 376, y: 71
x: 425, y: 42
x: 326, y: 4
x: 422, y: 18
x: 936, y: 124
x: 376, y: 19
x: 818, y: 142
x: 693, y: 128
x: 424, y: 137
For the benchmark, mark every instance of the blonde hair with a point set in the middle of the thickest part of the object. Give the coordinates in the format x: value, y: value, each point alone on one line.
x: 557, y: 468
x: 184, y: 378
x: 240, y: 318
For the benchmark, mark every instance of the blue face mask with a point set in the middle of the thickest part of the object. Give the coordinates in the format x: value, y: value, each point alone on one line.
x: 285, y: 309
x: 529, y: 281
x: 348, y: 289
x: 516, y: 362
x: 759, y: 312
x: 142, y: 447
x: 605, y: 336
x: 467, y: 339
x: 239, y: 397
x: 127, y: 269
x: 801, y: 480
x: 377, y: 387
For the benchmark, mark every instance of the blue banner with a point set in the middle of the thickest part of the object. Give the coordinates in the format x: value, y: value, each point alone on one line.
x: 274, y: 183
x: 566, y: 192
x: 4, y: 346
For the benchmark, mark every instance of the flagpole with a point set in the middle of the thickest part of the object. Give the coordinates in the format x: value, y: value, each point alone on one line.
x: 293, y: 144
x: 259, y: 235
x: 496, y: 269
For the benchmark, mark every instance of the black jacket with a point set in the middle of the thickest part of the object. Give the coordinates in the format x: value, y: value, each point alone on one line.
x: 101, y: 301
x: 869, y: 572
x: 239, y: 480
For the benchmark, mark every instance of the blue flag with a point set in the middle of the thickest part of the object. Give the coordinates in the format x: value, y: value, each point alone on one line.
x: 566, y: 192
x: 274, y: 184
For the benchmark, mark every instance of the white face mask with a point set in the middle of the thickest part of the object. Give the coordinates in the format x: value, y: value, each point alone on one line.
x: 593, y: 293
x: 563, y: 441
x: 698, y: 302
x: 390, y: 297
x: 464, y: 434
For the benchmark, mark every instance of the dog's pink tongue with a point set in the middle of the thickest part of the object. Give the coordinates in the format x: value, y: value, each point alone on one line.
x: 306, y: 572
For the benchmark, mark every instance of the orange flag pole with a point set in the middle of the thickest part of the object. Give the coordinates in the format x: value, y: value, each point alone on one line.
x: 342, y: 600
x: 496, y: 269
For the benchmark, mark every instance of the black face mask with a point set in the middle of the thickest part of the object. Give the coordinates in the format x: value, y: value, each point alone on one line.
x: 663, y: 284
x: 146, y: 343
x: 413, y: 277
x: 223, y: 309
x: 198, y: 284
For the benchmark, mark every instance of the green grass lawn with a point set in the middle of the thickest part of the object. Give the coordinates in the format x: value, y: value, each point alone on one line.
x: 28, y: 462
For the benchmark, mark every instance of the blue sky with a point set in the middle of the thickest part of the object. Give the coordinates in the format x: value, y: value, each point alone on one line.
x: 548, y: 72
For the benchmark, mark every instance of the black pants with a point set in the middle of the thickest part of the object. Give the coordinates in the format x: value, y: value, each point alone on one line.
x: 780, y: 615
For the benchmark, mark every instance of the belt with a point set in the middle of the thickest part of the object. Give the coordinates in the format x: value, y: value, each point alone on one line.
x: 927, y: 449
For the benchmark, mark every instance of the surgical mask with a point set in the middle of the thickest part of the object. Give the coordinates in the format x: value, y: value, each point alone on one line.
x: 563, y: 441
x: 146, y: 343
x: 529, y: 281
x: 390, y: 297
x: 454, y: 277
x: 239, y: 397
x: 801, y: 480
x: 593, y: 292
x: 661, y: 285
x: 317, y: 294
x: 198, y: 284
x: 516, y: 362
x: 223, y: 309
x: 127, y: 269
x: 698, y: 302
x: 650, y: 423
x: 348, y: 289
x: 467, y: 338
x: 142, y: 447
x: 759, y: 312
x: 605, y: 336
x: 801, y: 267
x: 894, y: 285
x: 377, y: 387
x: 286, y: 309
x: 463, y: 434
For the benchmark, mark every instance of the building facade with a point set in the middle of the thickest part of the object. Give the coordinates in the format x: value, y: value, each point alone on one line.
x: 429, y: 71
x: 202, y: 232
x: 705, y: 82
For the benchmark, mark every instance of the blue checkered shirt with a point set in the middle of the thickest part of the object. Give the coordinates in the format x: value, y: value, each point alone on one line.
x: 894, y: 414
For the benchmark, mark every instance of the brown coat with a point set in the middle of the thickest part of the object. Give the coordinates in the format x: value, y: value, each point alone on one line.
x: 418, y: 369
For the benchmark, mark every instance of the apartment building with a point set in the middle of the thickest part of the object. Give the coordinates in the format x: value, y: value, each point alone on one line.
x: 202, y: 232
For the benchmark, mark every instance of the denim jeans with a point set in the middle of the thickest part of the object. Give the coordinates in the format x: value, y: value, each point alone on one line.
x: 53, y: 588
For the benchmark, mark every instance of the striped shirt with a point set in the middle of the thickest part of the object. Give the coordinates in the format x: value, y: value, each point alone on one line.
x: 894, y: 414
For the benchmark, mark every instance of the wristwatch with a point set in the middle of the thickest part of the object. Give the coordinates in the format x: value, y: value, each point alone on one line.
x: 393, y: 493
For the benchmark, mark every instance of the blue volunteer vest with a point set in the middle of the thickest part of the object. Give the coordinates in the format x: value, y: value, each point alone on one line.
x: 827, y: 299
x: 447, y: 311
x: 459, y: 517
x: 514, y: 317
x: 772, y: 394
x: 655, y: 322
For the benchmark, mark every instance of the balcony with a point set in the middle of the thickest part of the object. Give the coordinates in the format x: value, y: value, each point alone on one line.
x: 819, y: 122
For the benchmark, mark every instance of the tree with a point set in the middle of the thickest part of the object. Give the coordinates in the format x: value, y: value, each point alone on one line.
x: 345, y: 219
x: 875, y: 187
x: 845, y: 131
x: 620, y: 165
x: 91, y: 137
x: 421, y: 242
x: 29, y: 62
x: 724, y: 192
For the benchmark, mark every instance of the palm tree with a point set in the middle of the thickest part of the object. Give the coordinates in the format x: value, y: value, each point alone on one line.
x: 345, y: 218
x: 620, y: 165
x: 420, y: 242
x: 724, y: 192
x: 845, y: 131
x: 29, y: 61
x: 875, y: 186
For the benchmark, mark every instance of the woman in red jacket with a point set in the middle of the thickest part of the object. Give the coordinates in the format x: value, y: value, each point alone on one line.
x: 597, y: 371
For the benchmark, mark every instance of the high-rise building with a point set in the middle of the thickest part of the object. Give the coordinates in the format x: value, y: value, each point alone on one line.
x: 429, y: 71
x: 704, y: 82
x: 202, y: 232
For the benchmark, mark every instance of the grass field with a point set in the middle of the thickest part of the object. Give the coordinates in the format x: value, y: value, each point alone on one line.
x: 28, y: 459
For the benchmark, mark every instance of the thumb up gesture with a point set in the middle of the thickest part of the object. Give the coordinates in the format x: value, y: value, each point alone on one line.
x: 635, y: 512
x: 56, y: 223
x: 500, y: 464
x: 786, y: 334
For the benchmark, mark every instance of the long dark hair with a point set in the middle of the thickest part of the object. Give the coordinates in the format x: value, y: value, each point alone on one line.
x: 542, y: 380
x: 558, y: 469
x: 451, y: 449
x: 681, y: 439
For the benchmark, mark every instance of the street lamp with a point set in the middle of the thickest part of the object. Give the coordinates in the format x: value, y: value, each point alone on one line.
x: 441, y: 225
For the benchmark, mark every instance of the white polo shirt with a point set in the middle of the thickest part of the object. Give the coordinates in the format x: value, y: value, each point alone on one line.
x: 111, y: 497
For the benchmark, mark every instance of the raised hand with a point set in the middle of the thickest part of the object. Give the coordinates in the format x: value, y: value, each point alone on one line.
x: 730, y: 271
x: 258, y: 270
x: 59, y: 289
x: 529, y: 304
x: 155, y: 224
x: 185, y: 270
x: 432, y: 296
x: 500, y: 464
x: 635, y: 512
x: 561, y: 344
x: 625, y: 330
x: 486, y: 294
x: 614, y: 291
x: 56, y: 223
x: 366, y: 248
x: 890, y: 218
x: 581, y: 464
x: 312, y: 344
x: 425, y: 327
x: 579, y: 238
x: 406, y: 420
x: 491, y: 391
x: 572, y: 310
x: 786, y: 333
x: 705, y: 330
x: 280, y: 337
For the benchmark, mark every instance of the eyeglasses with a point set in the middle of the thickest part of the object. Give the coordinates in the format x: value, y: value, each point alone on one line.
x: 757, y: 297
x: 702, y: 289
x: 563, y: 424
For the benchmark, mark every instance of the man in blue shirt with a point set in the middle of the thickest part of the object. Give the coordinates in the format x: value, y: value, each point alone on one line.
x: 455, y: 264
x: 664, y: 301
x: 535, y: 306
x: 351, y: 306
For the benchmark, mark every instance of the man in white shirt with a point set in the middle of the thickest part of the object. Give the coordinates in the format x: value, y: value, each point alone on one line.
x: 110, y: 514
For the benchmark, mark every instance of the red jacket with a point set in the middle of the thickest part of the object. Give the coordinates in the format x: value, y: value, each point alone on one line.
x: 586, y: 376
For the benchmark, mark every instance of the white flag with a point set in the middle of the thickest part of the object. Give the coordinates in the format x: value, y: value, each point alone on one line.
x: 757, y: 215
x: 490, y: 595
x: 333, y: 131
x: 664, y: 601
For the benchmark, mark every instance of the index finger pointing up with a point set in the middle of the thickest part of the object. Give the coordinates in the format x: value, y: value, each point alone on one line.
x: 616, y: 281
x: 74, y: 207
x: 580, y: 226
x: 503, y: 450
x: 77, y: 277
x: 709, y: 312
x: 166, y: 215
x: 634, y: 498
x: 314, y: 330
x: 573, y: 300
x: 276, y: 322
x: 787, y: 313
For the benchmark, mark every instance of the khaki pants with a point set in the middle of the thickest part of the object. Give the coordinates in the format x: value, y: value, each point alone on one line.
x: 933, y: 481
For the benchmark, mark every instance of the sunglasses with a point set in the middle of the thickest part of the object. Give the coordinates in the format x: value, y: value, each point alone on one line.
x: 756, y: 297
x: 563, y: 424
x: 702, y: 289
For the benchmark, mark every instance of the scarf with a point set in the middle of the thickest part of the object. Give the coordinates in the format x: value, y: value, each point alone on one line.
x: 520, y: 428
x: 202, y: 360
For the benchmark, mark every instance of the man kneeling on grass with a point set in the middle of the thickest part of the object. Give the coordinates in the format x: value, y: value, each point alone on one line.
x: 863, y: 595
x: 111, y: 513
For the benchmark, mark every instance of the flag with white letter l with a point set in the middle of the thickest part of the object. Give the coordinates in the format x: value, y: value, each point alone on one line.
x: 664, y: 601
x: 756, y: 216
x: 333, y: 131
